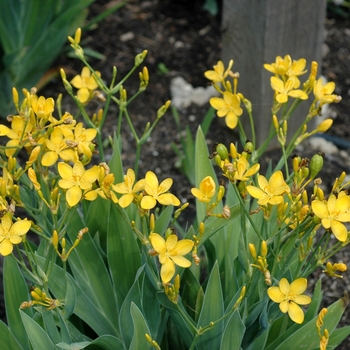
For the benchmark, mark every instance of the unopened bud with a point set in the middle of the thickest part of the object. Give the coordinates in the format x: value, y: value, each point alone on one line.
x: 140, y: 57
x: 252, y: 250
x: 263, y: 249
x: 233, y: 151
x: 77, y: 36
x: 316, y: 165
x: 325, y: 125
x: 54, y: 239
x: 161, y: 111
x: 222, y: 151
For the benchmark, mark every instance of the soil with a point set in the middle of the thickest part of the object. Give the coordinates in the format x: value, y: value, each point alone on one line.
x: 184, y: 40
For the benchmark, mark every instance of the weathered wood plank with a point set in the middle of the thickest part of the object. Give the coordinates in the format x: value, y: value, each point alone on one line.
x: 255, y: 32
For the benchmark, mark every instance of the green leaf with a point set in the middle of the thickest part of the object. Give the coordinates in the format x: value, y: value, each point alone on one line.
x: 50, y: 326
x: 70, y: 299
x: 125, y: 318
x: 8, y: 340
x: 163, y: 220
x: 139, y: 340
x: 307, y: 333
x: 85, y: 308
x: 338, y: 336
x: 233, y: 332
x: 91, y: 274
x: 15, y: 293
x: 178, y: 314
x: 212, y: 310
x: 37, y: 336
x: 123, y: 253
x: 190, y: 289
x: 74, y: 346
x: 203, y: 168
x: 151, y: 309
x: 116, y: 164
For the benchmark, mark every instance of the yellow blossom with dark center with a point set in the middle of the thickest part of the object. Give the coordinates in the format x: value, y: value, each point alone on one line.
x: 128, y: 188
x: 42, y: 107
x: 286, y: 89
x: 57, y: 148
x: 17, y: 134
x: 324, y: 92
x: 11, y: 233
x: 333, y: 213
x: 228, y: 107
x: 290, y: 296
x: 156, y: 192
x: 81, y: 139
x: 76, y: 180
x: 171, y: 251
x: 85, y: 83
x: 280, y: 66
x: 270, y: 192
x: 244, y: 172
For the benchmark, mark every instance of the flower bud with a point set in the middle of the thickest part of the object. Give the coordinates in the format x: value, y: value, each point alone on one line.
x: 252, y: 250
x: 233, y: 151
x: 222, y: 151
x: 140, y: 57
x: 15, y: 96
x: 325, y: 125
x: 161, y: 111
x: 316, y: 165
x: 263, y: 249
x: 77, y: 36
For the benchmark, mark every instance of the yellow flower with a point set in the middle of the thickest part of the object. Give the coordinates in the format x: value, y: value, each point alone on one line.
x: 219, y: 73
x: 280, y: 66
x: 289, y: 296
x: 283, y: 90
x: 11, y: 233
x: 80, y: 139
x: 170, y: 253
x: 18, y: 133
x: 42, y: 107
x: 243, y: 171
x: 57, y: 148
x: 85, y: 83
x: 206, y: 190
x: 229, y: 107
x: 156, y: 192
x: 324, y: 92
x: 128, y: 189
x: 297, y: 68
x: 270, y: 192
x: 333, y: 213
x: 76, y: 180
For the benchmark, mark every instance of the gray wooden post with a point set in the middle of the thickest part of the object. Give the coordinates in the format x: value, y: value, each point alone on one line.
x: 255, y: 32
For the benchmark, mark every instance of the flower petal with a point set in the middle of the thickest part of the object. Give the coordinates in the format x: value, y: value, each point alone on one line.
x: 73, y: 195
x: 275, y: 294
x: 184, y: 246
x: 298, y: 286
x: 181, y: 261
x: 158, y: 242
x: 168, y: 199
x: 148, y: 202
x: 167, y: 271
x: 284, y: 286
x: 6, y: 247
x: 339, y: 230
x: 295, y: 312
